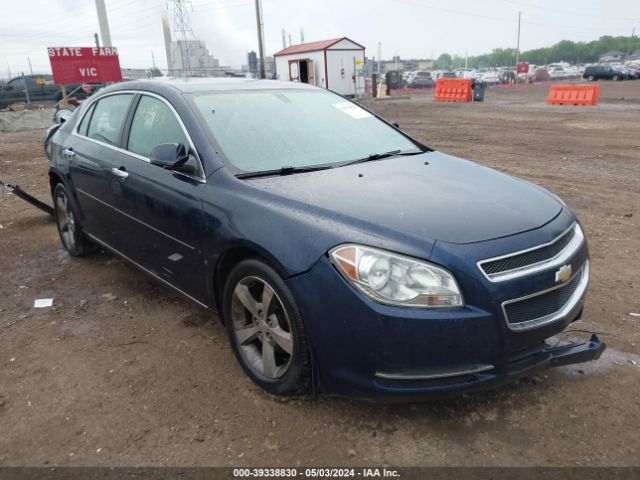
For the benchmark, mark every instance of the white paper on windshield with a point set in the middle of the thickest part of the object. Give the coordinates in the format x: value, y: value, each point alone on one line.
x: 352, y: 110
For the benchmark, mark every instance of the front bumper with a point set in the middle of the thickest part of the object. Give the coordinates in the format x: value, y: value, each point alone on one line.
x: 376, y: 352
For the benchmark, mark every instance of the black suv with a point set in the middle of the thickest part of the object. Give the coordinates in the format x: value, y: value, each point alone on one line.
x: 605, y: 72
x: 41, y: 89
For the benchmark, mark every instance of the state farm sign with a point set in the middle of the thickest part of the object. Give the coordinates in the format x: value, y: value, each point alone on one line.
x: 84, y: 64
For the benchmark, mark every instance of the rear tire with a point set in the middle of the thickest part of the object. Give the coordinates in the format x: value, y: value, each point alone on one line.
x: 73, y: 238
x: 616, y: 78
x: 265, y: 329
x: 591, y: 78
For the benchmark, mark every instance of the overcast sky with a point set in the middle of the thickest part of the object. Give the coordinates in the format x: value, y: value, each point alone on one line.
x: 409, y: 28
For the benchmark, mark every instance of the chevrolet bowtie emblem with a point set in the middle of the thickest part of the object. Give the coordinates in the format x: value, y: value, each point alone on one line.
x: 564, y: 273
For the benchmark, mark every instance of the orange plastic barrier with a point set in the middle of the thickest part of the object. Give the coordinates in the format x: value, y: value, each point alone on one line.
x: 453, y: 90
x: 573, y: 95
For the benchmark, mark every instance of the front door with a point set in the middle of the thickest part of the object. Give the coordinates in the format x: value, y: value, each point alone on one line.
x: 161, y: 211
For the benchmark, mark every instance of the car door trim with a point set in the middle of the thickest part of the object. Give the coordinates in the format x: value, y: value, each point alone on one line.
x: 135, y: 219
x: 146, y: 270
x: 74, y: 132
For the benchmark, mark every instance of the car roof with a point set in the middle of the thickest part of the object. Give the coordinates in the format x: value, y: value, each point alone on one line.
x: 203, y: 85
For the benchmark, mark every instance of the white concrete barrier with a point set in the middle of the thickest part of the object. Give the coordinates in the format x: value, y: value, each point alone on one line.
x: 25, y: 120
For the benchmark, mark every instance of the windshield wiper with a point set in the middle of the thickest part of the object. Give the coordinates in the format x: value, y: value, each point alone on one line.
x: 283, y: 171
x: 379, y: 156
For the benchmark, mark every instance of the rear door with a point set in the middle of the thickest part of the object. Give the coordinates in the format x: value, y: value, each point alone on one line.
x: 161, y: 211
x: 90, y: 152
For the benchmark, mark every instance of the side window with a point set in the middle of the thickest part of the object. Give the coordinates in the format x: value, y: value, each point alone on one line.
x: 108, y: 117
x: 84, y: 124
x: 153, y: 124
x: 17, y: 84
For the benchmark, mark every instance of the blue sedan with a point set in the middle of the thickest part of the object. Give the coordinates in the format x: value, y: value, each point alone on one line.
x: 341, y: 255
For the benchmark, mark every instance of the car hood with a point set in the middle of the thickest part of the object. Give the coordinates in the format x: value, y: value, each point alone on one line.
x: 431, y: 196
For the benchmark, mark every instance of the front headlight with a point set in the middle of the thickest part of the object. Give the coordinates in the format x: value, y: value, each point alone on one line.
x: 395, y: 279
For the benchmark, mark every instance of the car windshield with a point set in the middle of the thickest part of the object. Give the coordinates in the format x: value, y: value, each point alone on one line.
x: 270, y: 129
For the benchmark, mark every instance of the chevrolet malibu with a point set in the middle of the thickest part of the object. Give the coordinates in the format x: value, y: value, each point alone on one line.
x: 342, y: 255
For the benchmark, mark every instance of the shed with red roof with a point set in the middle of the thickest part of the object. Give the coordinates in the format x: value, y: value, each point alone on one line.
x: 328, y: 63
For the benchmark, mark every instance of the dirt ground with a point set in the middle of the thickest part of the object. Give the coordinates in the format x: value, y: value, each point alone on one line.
x: 121, y: 371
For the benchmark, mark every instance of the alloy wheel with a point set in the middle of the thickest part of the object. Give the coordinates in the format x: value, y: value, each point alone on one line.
x: 262, y: 328
x: 66, y: 221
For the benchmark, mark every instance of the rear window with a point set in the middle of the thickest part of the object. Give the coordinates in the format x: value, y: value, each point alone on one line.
x: 107, y: 119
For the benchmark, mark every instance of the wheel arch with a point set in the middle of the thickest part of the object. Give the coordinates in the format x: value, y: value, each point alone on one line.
x: 231, y: 257
x: 54, y: 179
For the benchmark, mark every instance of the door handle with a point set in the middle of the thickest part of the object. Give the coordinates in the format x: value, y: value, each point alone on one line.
x: 122, y: 174
x: 68, y: 152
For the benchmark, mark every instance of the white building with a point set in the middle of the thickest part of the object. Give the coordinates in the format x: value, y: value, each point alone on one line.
x: 333, y: 64
x: 192, y: 58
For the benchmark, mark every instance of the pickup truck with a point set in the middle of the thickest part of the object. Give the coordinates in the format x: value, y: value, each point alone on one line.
x: 41, y: 89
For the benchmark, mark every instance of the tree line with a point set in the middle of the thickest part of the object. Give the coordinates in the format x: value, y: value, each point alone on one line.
x: 563, y: 51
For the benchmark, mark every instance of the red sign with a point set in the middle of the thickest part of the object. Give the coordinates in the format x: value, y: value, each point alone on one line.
x: 522, y: 67
x: 84, y: 64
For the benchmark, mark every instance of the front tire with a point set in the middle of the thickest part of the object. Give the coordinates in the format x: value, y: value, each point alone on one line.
x: 591, y: 78
x: 616, y: 78
x: 265, y: 329
x: 73, y: 239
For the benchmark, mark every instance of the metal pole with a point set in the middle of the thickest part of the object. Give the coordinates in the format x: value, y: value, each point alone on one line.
x: 30, y: 68
x: 355, y: 79
x: 518, y: 47
x: 379, y: 56
x: 26, y: 88
x: 96, y: 39
x: 260, y: 38
x: 104, y: 23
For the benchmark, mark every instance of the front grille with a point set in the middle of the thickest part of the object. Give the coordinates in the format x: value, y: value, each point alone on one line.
x: 529, y: 258
x: 542, y: 305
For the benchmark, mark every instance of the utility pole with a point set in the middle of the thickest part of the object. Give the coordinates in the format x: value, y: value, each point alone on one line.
x: 104, y: 23
x: 260, y: 37
x: 518, y: 47
x: 153, y: 60
x: 284, y: 39
x: 302, y: 35
x: 631, y: 40
x: 379, y: 56
x: 30, y: 69
x: 96, y: 39
x: 289, y: 39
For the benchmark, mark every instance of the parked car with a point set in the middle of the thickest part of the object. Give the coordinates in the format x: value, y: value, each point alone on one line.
x: 41, y: 89
x: 541, y: 75
x: 342, y: 255
x: 557, y: 73
x: 422, y: 79
x: 491, y: 77
x: 603, y: 72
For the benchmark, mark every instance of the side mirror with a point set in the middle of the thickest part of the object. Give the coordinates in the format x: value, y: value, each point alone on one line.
x: 169, y: 155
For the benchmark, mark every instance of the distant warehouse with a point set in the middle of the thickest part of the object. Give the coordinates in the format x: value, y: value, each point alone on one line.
x: 329, y: 64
